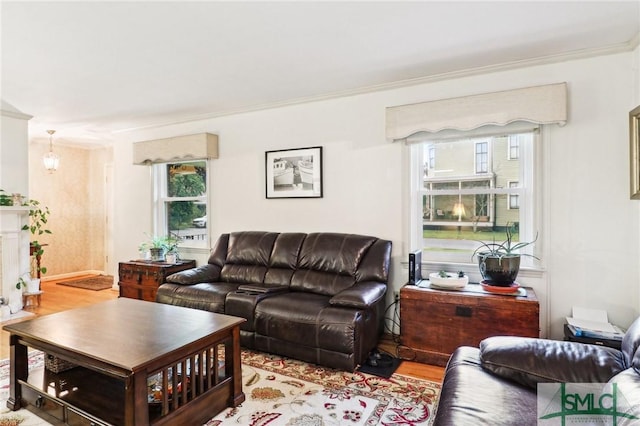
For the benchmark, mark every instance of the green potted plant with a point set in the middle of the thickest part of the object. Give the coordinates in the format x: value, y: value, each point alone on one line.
x: 499, y: 263
x: 171, y: 247
x: 28, y: 284
x: 159, y: 246
x: 156, y: 247
x: 38, y: 218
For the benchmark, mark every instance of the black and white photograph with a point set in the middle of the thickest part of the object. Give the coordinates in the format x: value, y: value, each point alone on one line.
x: 294, y: 173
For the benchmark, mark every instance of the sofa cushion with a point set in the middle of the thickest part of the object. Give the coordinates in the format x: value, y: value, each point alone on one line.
x: 307, y: 319
x: 336, y: 253
x: 250, y: 248
x: 248, y: 256
x: 530, y: 361
x: 470, y: 396
x: 361, y: 295
x: 206, y: 296
x: 328, y: 262
x: 201, y: 274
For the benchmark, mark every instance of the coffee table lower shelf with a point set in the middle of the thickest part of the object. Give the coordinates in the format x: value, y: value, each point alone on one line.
x: 81, y: 396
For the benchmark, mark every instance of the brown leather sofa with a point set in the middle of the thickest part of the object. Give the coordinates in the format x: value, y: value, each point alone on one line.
x: 496, y: 384
x: 315, y: 297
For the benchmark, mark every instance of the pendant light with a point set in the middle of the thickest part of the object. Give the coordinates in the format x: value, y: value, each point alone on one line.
x: 50, y: 159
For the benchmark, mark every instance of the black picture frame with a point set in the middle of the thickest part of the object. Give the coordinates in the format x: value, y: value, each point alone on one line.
x: 294, y: 173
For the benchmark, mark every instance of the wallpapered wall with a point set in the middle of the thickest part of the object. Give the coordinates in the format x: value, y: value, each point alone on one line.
x: 75, y: 195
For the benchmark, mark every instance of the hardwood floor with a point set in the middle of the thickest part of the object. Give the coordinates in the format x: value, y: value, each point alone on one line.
x: 58, y: 298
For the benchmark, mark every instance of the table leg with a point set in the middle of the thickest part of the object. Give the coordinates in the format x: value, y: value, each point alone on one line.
x: 19, y: 370
x: 237, y: 396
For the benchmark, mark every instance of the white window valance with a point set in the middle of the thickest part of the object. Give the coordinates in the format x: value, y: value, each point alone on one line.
x: 178, y: 148
x: 539, y: 104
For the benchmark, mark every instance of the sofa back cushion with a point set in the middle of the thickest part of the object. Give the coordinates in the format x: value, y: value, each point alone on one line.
x: 284, y: 258
x: 247, y: 258
x: 329, y: 262
x: 321, y: 263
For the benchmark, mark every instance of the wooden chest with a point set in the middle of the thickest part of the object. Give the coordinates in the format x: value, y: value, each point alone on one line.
x: 433, y: 323
x: 140, y: 279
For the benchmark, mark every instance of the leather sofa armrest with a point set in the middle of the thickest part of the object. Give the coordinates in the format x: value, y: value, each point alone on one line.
x: 257, y: 289
x: 362, y: 295
x: 530, y: 361
x: 202, y: 274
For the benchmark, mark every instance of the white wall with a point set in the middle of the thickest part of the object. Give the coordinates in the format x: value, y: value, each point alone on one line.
x: 14, y: 160
x: 591, y: 226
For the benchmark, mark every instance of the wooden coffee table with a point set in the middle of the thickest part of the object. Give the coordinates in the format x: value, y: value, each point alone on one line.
x: 128, y: 352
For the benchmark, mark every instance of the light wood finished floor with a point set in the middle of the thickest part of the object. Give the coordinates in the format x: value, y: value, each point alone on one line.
x: 60, y: 298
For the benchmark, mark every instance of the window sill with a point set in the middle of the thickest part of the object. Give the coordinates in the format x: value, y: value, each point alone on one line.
x: 471, y: 270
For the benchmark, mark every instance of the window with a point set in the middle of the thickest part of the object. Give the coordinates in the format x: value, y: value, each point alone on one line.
x: 181, y: 201
x: 514, y: 148
x: 432, y: 158
x: 482, y: 157
x: 514, y: 199
x: 473, y: 194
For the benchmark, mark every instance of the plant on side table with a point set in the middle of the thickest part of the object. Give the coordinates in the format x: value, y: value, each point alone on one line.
x: 499, y: 263
x: 28, y: 284
x: 38, y: 218
x: 160, y: 246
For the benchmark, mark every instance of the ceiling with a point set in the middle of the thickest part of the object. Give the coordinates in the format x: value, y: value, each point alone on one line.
x: 93, y: 69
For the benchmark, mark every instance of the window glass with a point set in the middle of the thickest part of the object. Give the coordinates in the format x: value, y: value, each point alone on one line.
x: 475, y: 192
x: 514, y: 199
x: 482, y: 157
x: 514, y: 147
x: 181, y: 207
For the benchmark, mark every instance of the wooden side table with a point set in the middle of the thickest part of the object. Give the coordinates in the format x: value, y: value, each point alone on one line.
x: 140, y: 279
x: 433, y: 323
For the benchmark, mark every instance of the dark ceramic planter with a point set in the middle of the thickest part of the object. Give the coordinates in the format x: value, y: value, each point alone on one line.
x: 499, y: 271
x: 157, y: 254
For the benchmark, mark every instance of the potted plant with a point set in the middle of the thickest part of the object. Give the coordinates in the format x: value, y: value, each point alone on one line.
x: 156, y: 247
x: 499, y: 263
x: 159, y: 246
x: 25, y: 282
x: 171, y: 247
x: 38, y: 218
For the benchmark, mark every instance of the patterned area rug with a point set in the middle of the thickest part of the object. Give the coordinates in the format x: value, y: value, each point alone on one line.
x: 282, y: 391
x: 101, y: 282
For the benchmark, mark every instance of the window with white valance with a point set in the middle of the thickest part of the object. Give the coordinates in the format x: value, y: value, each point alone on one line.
x: 539, y: 104
x: 474, y: 166
x: 180, y: 185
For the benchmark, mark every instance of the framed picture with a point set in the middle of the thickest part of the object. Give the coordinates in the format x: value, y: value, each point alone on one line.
x: 294, y: 173
x: 634, y: 152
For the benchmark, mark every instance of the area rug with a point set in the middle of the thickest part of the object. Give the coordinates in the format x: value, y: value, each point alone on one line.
x: 101, y: 282
x: 282, y: 391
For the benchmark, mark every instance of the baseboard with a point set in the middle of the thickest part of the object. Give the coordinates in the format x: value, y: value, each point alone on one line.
x: 71, y: 275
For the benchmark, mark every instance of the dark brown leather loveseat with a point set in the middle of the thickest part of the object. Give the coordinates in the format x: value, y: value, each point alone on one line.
x: 496, y: 384
x: 315, y: 297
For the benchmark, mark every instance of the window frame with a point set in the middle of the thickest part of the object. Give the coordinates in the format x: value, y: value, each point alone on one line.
x: 486, y: 160
x: 161, y: 201
x: 530, y: 217
x: 513, y: 197
x: 513, y: 144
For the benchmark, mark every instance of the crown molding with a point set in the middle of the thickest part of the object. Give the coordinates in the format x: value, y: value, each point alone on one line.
x: 452, y: 75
